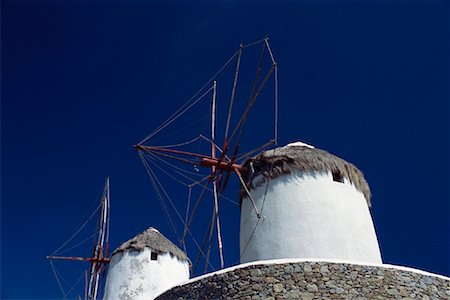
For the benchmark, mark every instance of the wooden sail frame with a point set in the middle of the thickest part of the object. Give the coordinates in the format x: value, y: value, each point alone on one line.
x: 99, y: 259
x: 223, y: 165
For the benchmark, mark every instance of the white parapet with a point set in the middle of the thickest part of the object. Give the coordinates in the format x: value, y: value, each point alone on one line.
x: 307, y: 214
x: 139, y: 271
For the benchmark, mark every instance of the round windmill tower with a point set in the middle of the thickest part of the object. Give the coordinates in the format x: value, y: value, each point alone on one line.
x: 306, y: 233
x: 145, y: 266
x: 304, y: 202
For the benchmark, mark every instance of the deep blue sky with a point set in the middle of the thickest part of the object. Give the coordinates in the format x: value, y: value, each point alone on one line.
x: 82, y: 82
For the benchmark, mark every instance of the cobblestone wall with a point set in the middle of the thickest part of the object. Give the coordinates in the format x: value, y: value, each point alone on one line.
x: 313, y: 280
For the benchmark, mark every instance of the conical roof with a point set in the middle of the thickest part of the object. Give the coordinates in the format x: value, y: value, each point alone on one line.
x: 299, y: 156
x: 152, y: 238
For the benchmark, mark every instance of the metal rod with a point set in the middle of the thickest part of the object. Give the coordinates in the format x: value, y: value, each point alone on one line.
x: 203, y: 244
x: 99, y: 248
x: 250, y: 104
x: 226, y: 166
x: 108, y: 197
x: 85, y: 285
x: 209, y: 242
x: 211, y: 223
x: 200, y: 198
x: 213, y: 120
x: 213, y: 171
x: 219, y: 237
x: 258, y: 149
x: 266, y: 41
x: 258, y: 214
x: 91, y: 281
x: 207, y: 161
x: 233, y: 91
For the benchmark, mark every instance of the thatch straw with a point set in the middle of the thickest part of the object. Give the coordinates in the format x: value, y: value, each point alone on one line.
x: 283, y: 160
x: 152, y: 238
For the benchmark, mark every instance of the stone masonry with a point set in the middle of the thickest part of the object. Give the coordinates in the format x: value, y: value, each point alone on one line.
x: 313, y: 280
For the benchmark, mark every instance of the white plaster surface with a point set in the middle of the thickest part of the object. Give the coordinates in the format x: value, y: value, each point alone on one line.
x: 300, y: 144
x: 307, y: 215
x: 133, y: 275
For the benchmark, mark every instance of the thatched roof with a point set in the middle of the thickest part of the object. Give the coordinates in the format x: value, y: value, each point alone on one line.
x: 152, y: 238
x: 297, y: 156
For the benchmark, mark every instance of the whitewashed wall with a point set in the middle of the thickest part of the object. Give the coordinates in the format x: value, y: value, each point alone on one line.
x: 133, y: 275
x: 307, y: 215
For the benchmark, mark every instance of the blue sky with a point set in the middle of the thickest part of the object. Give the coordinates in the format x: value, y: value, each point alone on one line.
x: 83, y: 82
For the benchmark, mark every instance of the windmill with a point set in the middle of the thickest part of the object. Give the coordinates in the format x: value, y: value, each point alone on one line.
x: 99, y: 258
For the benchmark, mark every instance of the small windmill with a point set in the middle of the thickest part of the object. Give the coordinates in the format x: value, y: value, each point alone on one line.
x: 99, y: 258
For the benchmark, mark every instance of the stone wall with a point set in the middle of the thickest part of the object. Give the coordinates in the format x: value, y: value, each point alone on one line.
x: 313, y: 280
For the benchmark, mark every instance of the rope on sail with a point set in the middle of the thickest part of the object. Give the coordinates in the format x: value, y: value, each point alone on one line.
x: 233, y: 91
x: 149, y: 157
x: 182, y: 143
x: 200, y: 181
x: 186, y: 106
x: 191, y: 124
x: 262, y: 206
x: 77, y: 231
x: 168, y: 174
x: 182, y: 108
x: 194, y: 182
x: 252, y: 95
x: 183, y: 128
x: 76, y: 283
x: 203, y: 244
x: 266, y: 42
x: 176, y: 179
x: 80, y: 243
x: 179, y: 216
x: 58, y: 280
x: 216, y: 146
x: 156, y: 157
x: 175, y: 116
x: 200, y: 198
x: 248, y: 154
x: 258, y: 214
x: 188, y: 206
x: 159, y: 197
x: 198, y: 203
x: 254, y: 43
x: 211, y: 231
x: 243, y: 119
x: 157, y: 183
x: 258, y: 70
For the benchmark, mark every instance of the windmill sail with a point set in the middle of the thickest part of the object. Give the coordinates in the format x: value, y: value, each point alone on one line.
x: 99, y: 258
x: 204, y: 160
